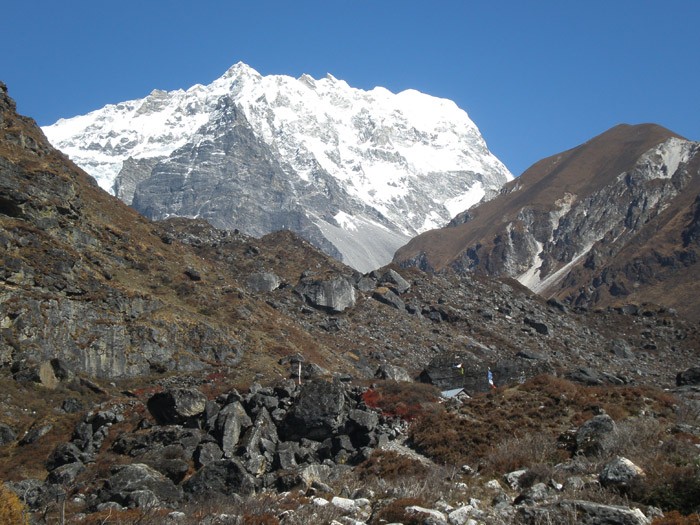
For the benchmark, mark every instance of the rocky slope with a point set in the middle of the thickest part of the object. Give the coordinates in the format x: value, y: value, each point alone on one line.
x: 357, y: 173
x: 145, y: 364
x: 608, y: 222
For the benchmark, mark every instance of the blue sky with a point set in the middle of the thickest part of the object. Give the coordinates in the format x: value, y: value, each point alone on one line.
x: 537, y: 77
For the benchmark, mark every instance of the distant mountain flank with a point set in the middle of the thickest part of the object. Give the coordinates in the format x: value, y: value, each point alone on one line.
x: 358, y: 173
x: 613, y: 220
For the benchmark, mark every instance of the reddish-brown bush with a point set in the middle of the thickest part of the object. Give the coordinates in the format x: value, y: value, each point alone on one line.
x: 676, y: 518
x: 398, y: 399
x: 389, y: 465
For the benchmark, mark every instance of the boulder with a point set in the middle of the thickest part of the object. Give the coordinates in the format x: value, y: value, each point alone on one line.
x: 388, y: 297
x: 63, y: 454
x: 394, y: 280
x: 231, y: 421
x: 127, y: 479
x: 65, y: 474
x: 36, y: 494
x: 177, y: 406
x: 584, y: 513
x: 7, y: 435
x: 535, y: 494
x: 207, y: 453
x: 319, y: 412
x: 171, y: 461
x: 35, y: 433
x: 691, y: 376
x: 435, y: 516
x: 620, y: 473
x: 591, y: 435
x: 259, y: 444
x: 392, y: 372
x: 261, y: 282
x: 513, y: 478
x: 539, y: 326
x: 335, y: 294
x: 225, y: 477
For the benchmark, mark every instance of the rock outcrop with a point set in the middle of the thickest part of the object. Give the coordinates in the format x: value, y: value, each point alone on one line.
x: 608, y: 221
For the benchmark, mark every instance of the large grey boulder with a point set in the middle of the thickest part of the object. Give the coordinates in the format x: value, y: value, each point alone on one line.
x: 320, y: 411
x: 393, y: 279
x: 231, y: 422
x: 691, y: 376
x: 392, y: 372
x: 620, y: 473
x: 225, y: 477
x: 261, y: 282
x: 259, y: 444
x: 583, y: 513
x: 65, y: 474
x: 336, y: 293
x: 127, y: 479
x: 590, y: 437
x: 63, y: 454
x: 177, y: 406
x: 7, y: 435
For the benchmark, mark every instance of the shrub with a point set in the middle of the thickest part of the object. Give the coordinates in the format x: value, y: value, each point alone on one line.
x: 676, y: 518
x: 529, y: 451
x: 399, y: 399
x: 389, y: 465
x: 12, y: 510
x: 675, y: 488
x: 395, y: 512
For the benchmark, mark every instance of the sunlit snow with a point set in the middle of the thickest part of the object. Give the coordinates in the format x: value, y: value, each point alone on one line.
x: 381, y: 147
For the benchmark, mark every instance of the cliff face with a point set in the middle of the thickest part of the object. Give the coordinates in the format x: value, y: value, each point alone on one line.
x: 597, y: 224
x: 74, y: 270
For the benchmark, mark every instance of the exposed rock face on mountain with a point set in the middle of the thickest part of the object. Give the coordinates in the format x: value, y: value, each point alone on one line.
x: 73, y: 262
x: 357, y: 173
x: 611, y: 221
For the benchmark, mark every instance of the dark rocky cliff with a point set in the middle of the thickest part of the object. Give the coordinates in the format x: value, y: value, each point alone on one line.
x: 596, y: 225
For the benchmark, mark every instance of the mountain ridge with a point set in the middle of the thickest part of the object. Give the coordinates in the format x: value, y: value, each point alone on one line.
x: 573, y: 210
x: 380, y: 165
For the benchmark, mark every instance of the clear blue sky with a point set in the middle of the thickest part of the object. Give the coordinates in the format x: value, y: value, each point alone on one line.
x: 537, y: 77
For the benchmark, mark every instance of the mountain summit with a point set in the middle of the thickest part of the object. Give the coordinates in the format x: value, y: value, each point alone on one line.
x: 613, y: 220
x: 358, y: 173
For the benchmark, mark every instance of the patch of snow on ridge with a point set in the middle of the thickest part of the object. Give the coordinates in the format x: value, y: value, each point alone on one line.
x: 460, y: 203
x: 663, y: 161
x: 347, y: 222
x: 531, y: 278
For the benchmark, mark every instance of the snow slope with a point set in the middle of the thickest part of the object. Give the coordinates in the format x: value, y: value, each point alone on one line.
x: 413, y: 159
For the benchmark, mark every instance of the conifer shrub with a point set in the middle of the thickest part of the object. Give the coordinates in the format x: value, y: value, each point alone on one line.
x: 12, y: 510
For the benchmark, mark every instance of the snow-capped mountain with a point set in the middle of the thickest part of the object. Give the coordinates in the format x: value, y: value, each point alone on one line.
x: 357, y: 172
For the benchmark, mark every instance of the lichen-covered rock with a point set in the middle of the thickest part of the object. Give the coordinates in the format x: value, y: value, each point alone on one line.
x: 260, y: 282
x: 335, y: 294
x: 319, y: 412
x: 231, y: 421
x: 591, y: 435
x: 127, y: 479
x: 225, y: 477
x: 584, y: 513
x: 177, y: 405
x: 620, y: 473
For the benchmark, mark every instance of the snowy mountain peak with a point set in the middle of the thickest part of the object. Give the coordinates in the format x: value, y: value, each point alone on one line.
x: 404, y: 162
